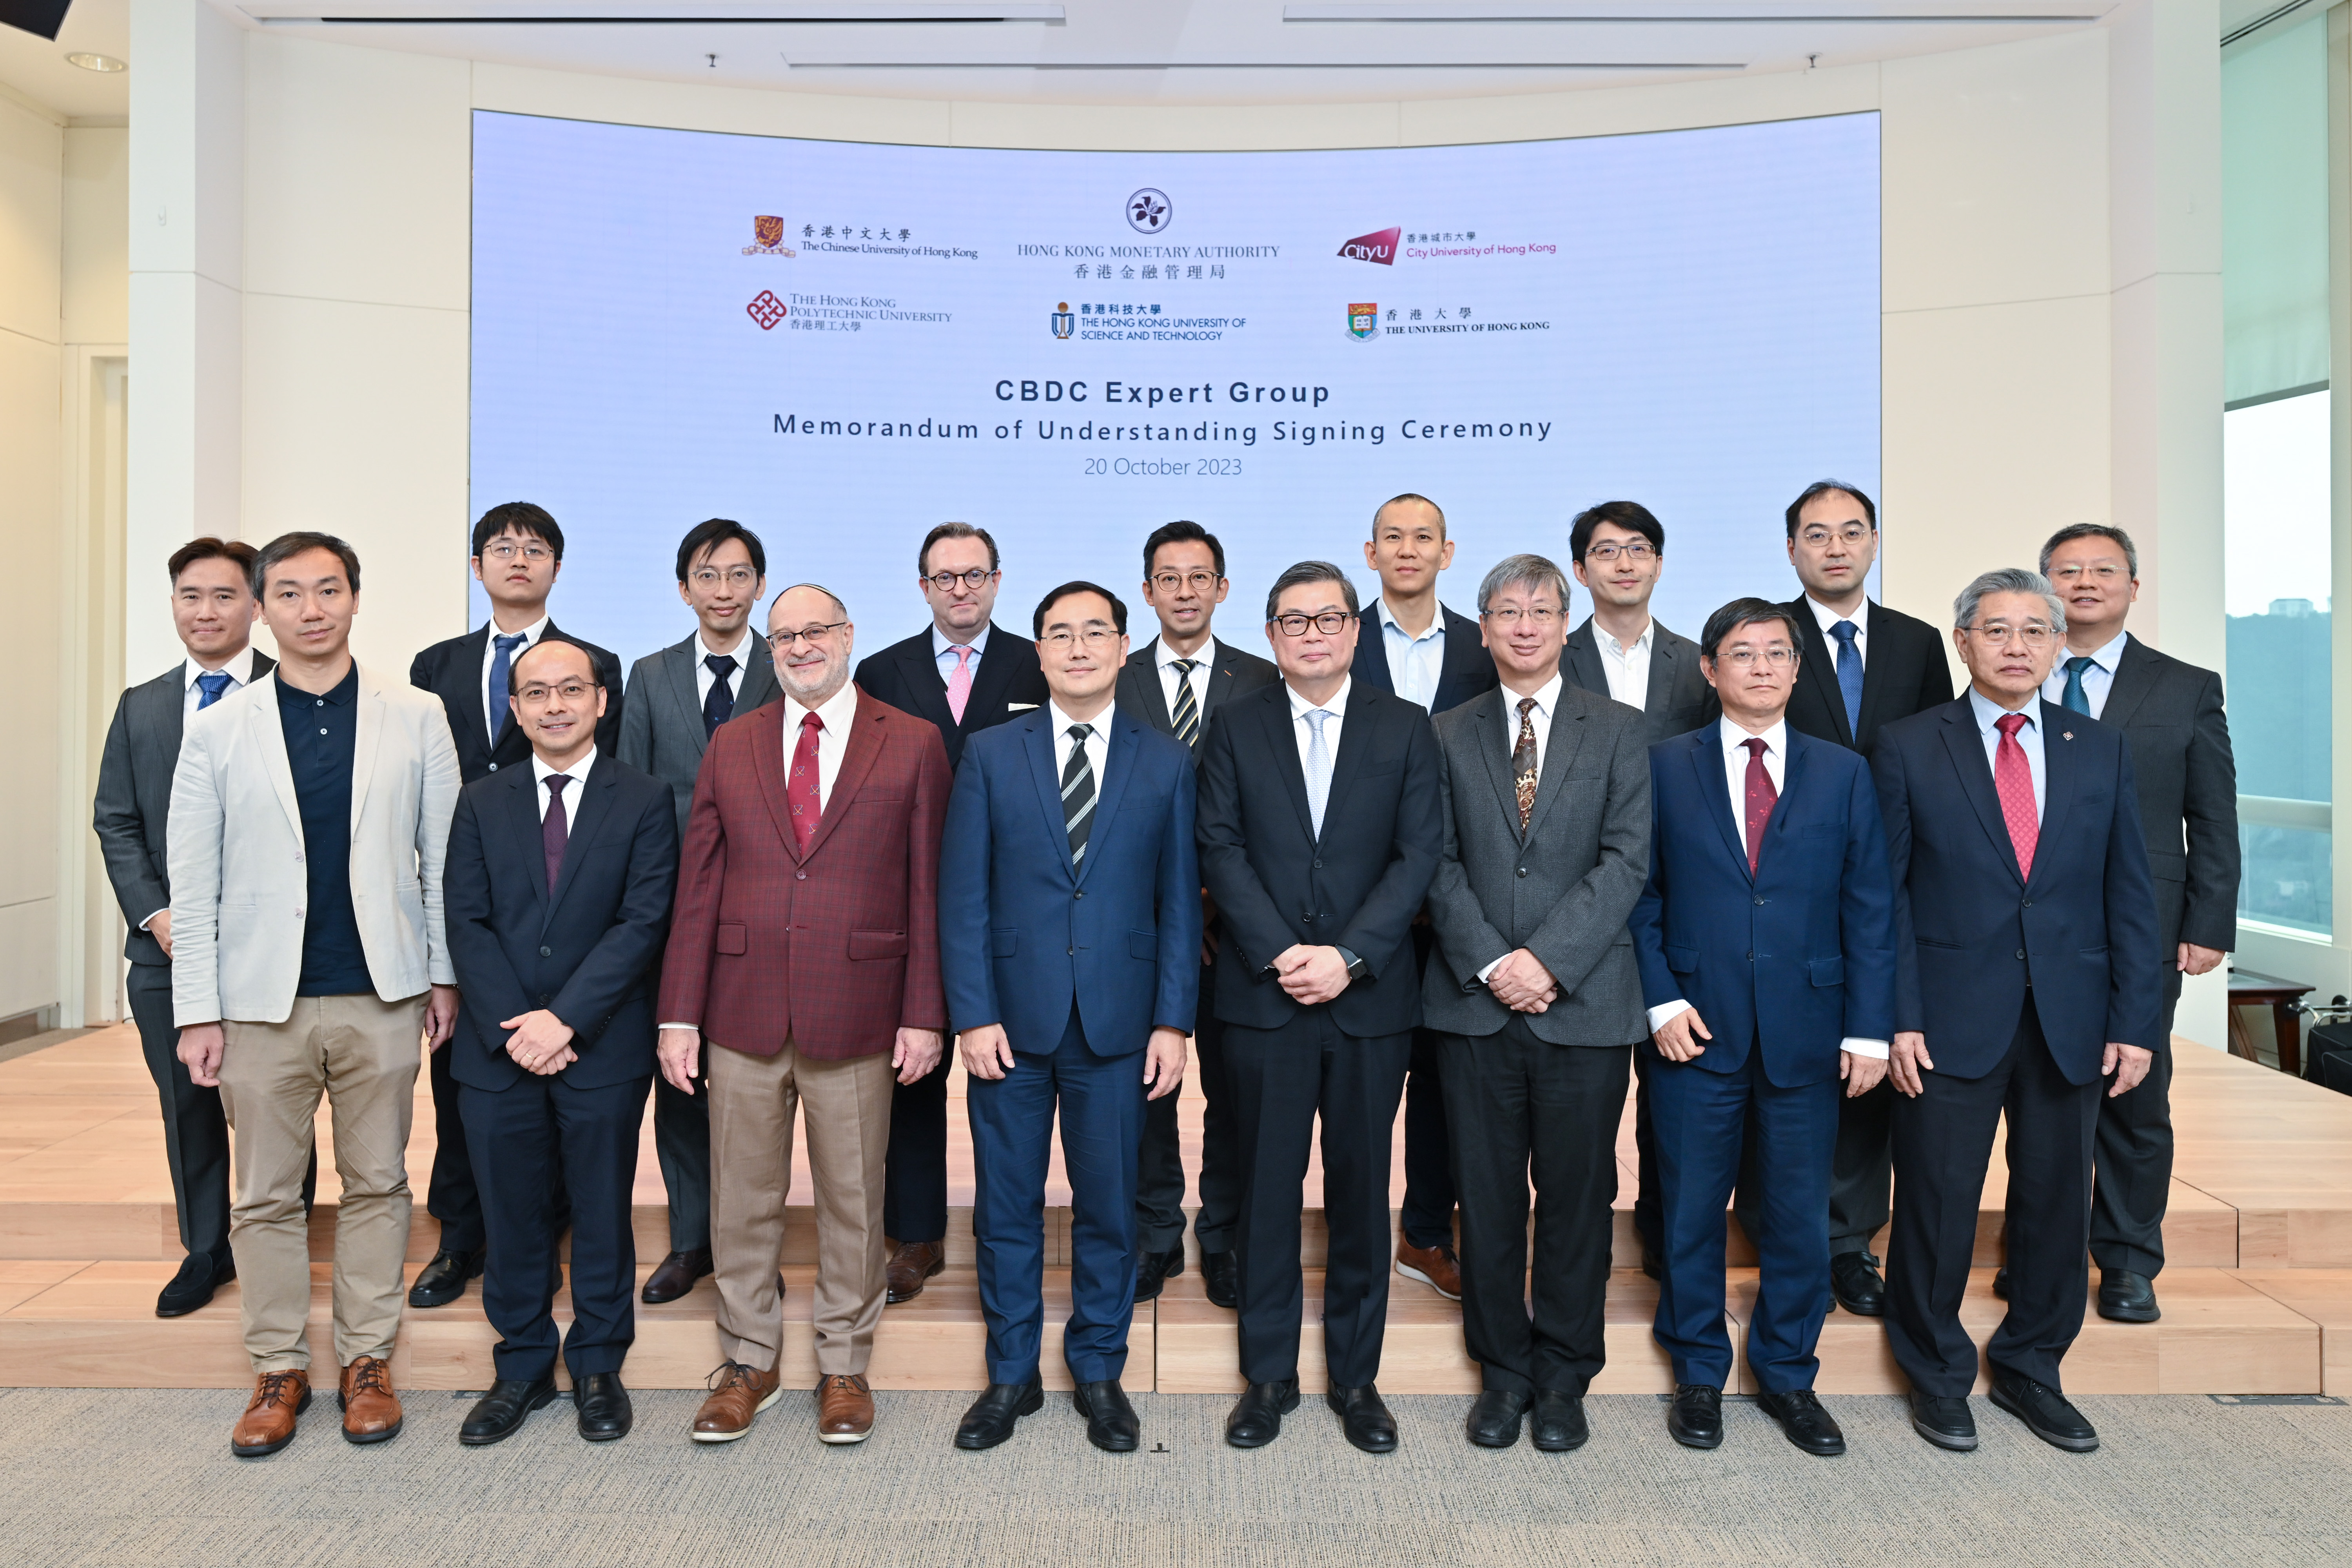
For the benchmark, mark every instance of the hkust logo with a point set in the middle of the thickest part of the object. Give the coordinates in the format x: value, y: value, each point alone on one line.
x: 1380, y: 248
x: 768, y: 239
x: 1064, y: 323
x: 1363, y: 321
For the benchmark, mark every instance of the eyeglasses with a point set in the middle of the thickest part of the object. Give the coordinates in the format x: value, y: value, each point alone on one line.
x: 1510, y: 615
x: 1636, y: 550
x: 709, y: 577
x: 2034, y: 633
x: 507, y: 550
x: 1329, y: 623
x: 2103, y: 573
x: 1779, y: 655
x: 1095, y: 637
x: 1851, y: 536
x: 1198, y: 581
x: 945, y: 582
x: 570, y: 691
x: 817, y: 634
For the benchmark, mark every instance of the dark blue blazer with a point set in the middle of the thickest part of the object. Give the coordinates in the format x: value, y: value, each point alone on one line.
x: 1127, y: 918
x: 588, y: 954
x: 1466, y: 670
x: 1970, y: 931
x: 1797, y: 957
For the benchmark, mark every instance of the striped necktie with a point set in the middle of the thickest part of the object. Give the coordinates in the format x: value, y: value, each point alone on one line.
x: 1078, y: 792
x: 1188, y: 712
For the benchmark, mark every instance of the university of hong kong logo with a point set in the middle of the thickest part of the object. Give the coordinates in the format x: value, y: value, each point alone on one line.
x: 1363, y: 321
x: 1380, y: 247
x: 768, y: 239
x: 767, y: 310
x: 1148, y: 211
x: 1064, y: 323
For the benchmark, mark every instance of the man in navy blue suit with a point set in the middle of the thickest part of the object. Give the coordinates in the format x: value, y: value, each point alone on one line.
x: 558, y: 883
x: 1069, y: 827
x: 1765, y: 941
x: 2026, y: 978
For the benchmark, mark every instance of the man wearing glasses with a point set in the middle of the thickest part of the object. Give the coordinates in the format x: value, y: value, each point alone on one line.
x: 678, y: 698
x: 1861, y: 666
x: 1175, y: 683
x: 963, y: 674
x: 518, y: 554
x: 1320, y: 826
x: 2027, y: 985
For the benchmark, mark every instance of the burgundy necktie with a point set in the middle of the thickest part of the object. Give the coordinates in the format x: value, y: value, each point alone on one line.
x: 2013, y: 777
x: 800, y: 790
x: 554, y: 832
x: 1761, y: 798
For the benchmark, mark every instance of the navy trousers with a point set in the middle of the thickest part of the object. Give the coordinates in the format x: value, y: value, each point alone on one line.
x: 1696, y: 1119
x: 530, y: 1142
x: 1101, y: 1103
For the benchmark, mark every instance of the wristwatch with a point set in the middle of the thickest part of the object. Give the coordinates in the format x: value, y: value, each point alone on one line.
x: 1356, y: 968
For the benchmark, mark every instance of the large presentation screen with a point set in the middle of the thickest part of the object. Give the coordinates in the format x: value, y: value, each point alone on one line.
x: 841, y: 344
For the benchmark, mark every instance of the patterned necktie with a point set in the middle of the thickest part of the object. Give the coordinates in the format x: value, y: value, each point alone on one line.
x: 960, y: 683
x: 1188, y: 713
x: 554, y: 832
x: 1849, y: 675
x: 501, y: 682
x: 1523, y: 761
x: 1318, y: 768
x: 1761, y: 798
x: 800, y: 788
x: 214, y: 686
x: 2078, y: 699
x: 719, y: 702
x: 2012, y: 778
x: 1078, y: 792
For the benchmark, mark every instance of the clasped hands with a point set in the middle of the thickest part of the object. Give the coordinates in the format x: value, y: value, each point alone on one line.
x: 1521, y: 982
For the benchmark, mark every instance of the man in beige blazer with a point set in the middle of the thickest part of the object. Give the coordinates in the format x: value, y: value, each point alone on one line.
x: 310, y: 815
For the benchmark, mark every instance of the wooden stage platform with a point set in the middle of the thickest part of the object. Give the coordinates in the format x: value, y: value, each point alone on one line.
x: 2257, y: 1295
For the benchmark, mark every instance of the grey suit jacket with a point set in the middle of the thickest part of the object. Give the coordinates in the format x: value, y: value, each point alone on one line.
x: 1563, y: 891
x: 2170, y: 714
x: 134, y: 799
x: 661, y: 713
x: 1679, y: 699
x: 1231, y: 673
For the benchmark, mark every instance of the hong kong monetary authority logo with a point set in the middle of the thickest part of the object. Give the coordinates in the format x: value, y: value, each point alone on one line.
x: 768, y: 239
x: 1363, y: 321
x: 1149, y: 211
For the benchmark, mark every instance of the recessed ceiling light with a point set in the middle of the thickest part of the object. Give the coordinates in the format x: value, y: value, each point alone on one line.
x: 90, y: 62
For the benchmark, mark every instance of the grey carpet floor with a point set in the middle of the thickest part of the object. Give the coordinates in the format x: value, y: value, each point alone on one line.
x: 92, y: 1477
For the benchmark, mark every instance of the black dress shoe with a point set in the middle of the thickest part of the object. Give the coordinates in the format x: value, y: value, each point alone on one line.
x: 194, y: 1284
x: 675, y: 1275
x: 1154, y: 1269
x: 1652, y: 1264
x: 989, y: 1420
x: 2126, y: 1297
x: 1112, y: 1424
x: 1807, y: 1425
x: 1855, y: 1282
x: 1256, y: 1418
x: 1496, y: 1417
x: 1944, y: 1420
x: 1555, y: 1425
x: 1364, y: 1419
x: 603, y: 1406
x: 499, y: 1413
x: 1220, y: 1275
x: 443, y: 1280
x: 1695, y: 1419
x: 2000, y: 1283
x: 2045, y: 1413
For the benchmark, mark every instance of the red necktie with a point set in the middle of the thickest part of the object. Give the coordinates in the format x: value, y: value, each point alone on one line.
x: 801, y: 789
x: 1761, y: 798
x: 2013, y: 777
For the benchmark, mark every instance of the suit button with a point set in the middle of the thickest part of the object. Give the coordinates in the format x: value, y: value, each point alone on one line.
x: 545, y: 1000
x: 1318, y: 865
x: 2029, y: 903
x: 547, y: 953
x: 1749, y: 957
x: 1759, y: 902
x: 1523, y: 870
x: 494, y: 767
x: 2021, y: 953
x: 800, y: 876
x: 1078, y: 895
x: 1070, y: 952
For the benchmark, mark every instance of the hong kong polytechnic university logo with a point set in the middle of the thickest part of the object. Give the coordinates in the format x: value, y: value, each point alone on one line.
x: 1148, y: 211
x: 767, y: 310
x: 768, y: 239
x: 1064, y: 323
x: 1363, y: 321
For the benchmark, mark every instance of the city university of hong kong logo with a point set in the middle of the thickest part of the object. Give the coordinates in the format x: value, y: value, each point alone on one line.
x: 1148, y: 211
x: 768, y: 239
x: 1064, y: 323
x: 1363, y: 321
x: 767, y: 310
x: 1379, y: 248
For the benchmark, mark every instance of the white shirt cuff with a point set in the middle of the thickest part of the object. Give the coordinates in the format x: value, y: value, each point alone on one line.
x: 151, y: 919
x: 1490, y: 969
x: 1874, y: 1049
x: 1666, y: 1010
x: 691, y: 1029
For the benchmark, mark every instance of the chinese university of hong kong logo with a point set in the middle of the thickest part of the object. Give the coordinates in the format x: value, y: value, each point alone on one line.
x: 768, y: 239
x: 1379, y: 248
x: 1363, y: 321
x: 767, y: 310
x: 1148, y: 211
x: 1064, y: 323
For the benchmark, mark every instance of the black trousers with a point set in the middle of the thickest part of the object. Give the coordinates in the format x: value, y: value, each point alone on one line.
x: 915, y: 1172
x: 1159, y: 1186
x: 1282, y: 1079
x: 1943, y: 1144
x: 682, y: 1145
x: 1524, y: 1109
x: 2132, y: 1162
x: 454, y: 1199
x: 1649, y: 1210
x: 1427, y: 1218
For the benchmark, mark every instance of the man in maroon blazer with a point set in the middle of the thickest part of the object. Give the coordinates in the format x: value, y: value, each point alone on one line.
x: 805, y: 949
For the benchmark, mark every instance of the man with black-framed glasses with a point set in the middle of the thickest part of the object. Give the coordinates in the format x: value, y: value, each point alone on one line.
x: 963, y: 673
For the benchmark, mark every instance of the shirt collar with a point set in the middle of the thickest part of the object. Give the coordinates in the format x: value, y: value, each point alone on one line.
x: 939, y: 644
x: 531, y: 634
x: 1162, y: 656
x: 344, y: 693
x: 541, y: 773
x: 1061, y: 721
x: 1649, y: 629
x: 2106, y: 656
x: 1989, y: 712
x: 1547, y: 698
x: 835, y: 714
x: 1337, y: 706
x: 1389, y: 621
x: 741, y: 652
x: 1776, y: 738
x: 239, y: 669
x: 1828, y: 617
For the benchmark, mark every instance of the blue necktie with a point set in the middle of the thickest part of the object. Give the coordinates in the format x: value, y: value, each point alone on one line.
x: 1318, y: 768
x: 2076, y: 699
x: 1848, y: 674
x: 501, y: 684
x: 214, y: 687
x: 719, y: 702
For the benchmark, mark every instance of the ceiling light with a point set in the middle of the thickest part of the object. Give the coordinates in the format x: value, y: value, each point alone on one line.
x: 107, y: 64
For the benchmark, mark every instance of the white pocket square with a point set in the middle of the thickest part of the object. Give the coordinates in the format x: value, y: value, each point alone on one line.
x: 1019, y: 707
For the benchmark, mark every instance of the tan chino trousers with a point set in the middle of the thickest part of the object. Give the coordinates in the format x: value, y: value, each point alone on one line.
x: 752, y: 1103
x: 362, y: 1053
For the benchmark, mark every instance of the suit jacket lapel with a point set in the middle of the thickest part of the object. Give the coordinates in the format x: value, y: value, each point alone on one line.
x: 2060, y: 776
x: 2133, y: 678
x: 270, y: 736
x: 472, y: 646
x: 861, y: 747
x: 993, y: 678
x: 369, y: 702
x: 1121, y: 736
x: 1040, y: 746
x: 1558, y: 756
x: 1145, y: 669
x: 684, y: 658
x: 1281, y: 740
x: 759, y: 686
x: 170, y: 720
x: 1793, y: 771
x: 1371, y: 664
x: 1495, y: 750
x: 526, y: 829
x: 919, y: 673
x: 589, y: 815
x: 1355, y: 739
x: 768, y: 762
x: 1715, y: 788
x: 1965, y: 744
x: 1818, y: 667
x: 1663, y: 667
x: 1221, y: 678
x: 1877, y: 671
x: 1584, y: 660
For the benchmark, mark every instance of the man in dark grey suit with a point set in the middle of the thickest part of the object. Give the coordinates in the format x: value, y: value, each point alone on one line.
x: 1175, y: 683
x: 1536, y: 1000
x: 1617, y: 551
x: 2170, y: 714
x: 676, y: 699
x: 213, y: 611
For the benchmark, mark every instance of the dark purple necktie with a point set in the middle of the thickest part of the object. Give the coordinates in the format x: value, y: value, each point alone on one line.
x: 554, y: 832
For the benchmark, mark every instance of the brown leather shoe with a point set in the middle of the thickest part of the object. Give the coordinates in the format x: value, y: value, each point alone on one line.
x: 738, y: 1392
x: 844, y: 1409
x: 914, y: 1262
x: 371, y: 1409
x: 268, y: 1424
x: 1432, y: 1265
